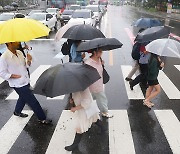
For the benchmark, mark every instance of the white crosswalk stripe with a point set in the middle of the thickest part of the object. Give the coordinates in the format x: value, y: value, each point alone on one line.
x: 120, y: 137
x: 132, y: 94
x: 178, y: 67
x: 34, y: 76
x: 11, y: 130
x: 171, y: 126
x: 56, y: 98
x: 1, y: 80
x: 63, y: 134
x: 169, y: 88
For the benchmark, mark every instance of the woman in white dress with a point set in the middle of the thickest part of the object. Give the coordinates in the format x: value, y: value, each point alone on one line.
x: 86, y: 113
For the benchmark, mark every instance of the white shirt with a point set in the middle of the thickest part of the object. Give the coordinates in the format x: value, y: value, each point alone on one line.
x: 12, y: 64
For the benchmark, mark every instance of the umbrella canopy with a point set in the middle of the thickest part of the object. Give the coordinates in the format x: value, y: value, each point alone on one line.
x: 65, y: 79
x: 103, y: 43
x: 63, y: 29
x: 164, y: 47
x: 22, y: 30
x: 153, y: 33
x: 147, y: 23
x: 83, y: 32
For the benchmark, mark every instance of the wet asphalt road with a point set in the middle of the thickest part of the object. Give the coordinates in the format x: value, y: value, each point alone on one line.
x: 147, y: 133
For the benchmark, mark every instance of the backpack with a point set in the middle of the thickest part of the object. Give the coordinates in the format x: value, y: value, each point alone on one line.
x: 136, y: 51
x: 66, y: 48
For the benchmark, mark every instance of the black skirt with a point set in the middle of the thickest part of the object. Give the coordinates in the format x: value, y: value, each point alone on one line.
x: 153, y: 82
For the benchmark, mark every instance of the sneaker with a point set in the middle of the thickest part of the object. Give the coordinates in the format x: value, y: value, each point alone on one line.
x: 107, y: 115
x: 22, y: 115
x: 45, y: 122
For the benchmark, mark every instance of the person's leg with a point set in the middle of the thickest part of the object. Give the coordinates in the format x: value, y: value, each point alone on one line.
x: 133, y: 71
x: 75, y: 144
x: 135, y: 81
x: 154, y: 93
x: 148, y: 91
x: 27, y: 95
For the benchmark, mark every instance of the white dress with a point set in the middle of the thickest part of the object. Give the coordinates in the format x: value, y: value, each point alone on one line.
x: 81, y: 117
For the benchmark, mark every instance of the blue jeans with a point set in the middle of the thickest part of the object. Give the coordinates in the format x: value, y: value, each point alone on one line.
x: 26, y: 96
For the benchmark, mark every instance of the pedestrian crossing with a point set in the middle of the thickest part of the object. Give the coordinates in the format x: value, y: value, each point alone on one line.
x: 167, y: 85
x: 121, y: 139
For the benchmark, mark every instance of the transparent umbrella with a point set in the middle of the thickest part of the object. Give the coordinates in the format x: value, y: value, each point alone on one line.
x: 164, y: 47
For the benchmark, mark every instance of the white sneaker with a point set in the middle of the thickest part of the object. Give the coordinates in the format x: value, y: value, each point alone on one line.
x: 107, y: 115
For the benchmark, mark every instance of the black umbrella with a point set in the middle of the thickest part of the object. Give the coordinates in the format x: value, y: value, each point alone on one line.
x: 152, y: 33
x: 103, y: 43
x: 83, y: 32
x: 65, y: 79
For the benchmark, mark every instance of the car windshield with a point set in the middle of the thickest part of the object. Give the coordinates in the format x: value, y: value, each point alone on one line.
x: 34, y: 11
x: 66, y: 12
x: 81, y: 15
x: 75, y: 7
x: 38, y: 17
x: 5, y: 17
x: 94, y: 9
x: 51, y: 10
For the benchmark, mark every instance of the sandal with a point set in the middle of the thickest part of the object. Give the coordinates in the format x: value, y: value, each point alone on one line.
x: 146, y: 103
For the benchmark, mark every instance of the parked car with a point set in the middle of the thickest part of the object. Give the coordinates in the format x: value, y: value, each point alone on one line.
x: 7, y: 16
x: 34, y: 11
x: 83, y: 16
x: 54, y: 11
x: 1, y: 8
x: 66, y: 16
x: 47, y: 19
x: 75, y: 7
x: 97, y: 12
x: 8, y: 7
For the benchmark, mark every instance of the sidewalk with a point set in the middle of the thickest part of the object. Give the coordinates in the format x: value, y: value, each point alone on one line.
x: 173, y: 16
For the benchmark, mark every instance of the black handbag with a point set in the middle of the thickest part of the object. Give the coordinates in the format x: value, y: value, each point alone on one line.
x: 106, y: 76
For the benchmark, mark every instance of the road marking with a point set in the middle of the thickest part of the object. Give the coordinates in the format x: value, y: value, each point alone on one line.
x: 171, y: 126
x: 1, y: 80
x: 56, y: 98
x: 11, y: 130
x: 130, y: 34
x: 59, y: 56
x: 169, y: 88
x: 43, y: 40
x: 63, y: 134
x: 34, y: 76
x: 132, y: 94
x: 120, y: 136
x: 178, y: 67
x: 111, y: 63
x: 175, y: 36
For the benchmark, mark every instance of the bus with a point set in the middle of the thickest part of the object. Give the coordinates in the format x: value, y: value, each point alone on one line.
x: 57, y: 4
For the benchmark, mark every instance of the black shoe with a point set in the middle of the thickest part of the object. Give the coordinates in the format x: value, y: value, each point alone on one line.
x: 45, y: 122
x: 75, y: 144
x: 131, y: 86
x: 100, y: 124
x: 128, y: 79
x: 22, y: 115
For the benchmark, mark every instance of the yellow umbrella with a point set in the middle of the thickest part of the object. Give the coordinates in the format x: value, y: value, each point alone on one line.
x: 22, y: 30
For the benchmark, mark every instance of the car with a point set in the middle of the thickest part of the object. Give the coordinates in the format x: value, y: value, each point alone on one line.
x: 54, y: 11
x: 75, y: 7
x: 84, y: 16
x: 34, y: 11
x: 1, y: 8
x: 66, y: 16
x: 8, y: 7
x: 97, y: 12
x: 7, y: 16
x: 47, y: 19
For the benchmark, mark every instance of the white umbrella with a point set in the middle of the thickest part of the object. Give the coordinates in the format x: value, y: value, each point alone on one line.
x: 164, y: 47
x: 63, y: 29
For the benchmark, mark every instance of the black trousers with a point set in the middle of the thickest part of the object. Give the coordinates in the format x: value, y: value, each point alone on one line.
x: 142, y: 77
